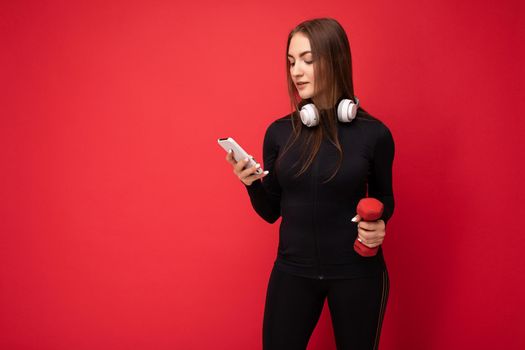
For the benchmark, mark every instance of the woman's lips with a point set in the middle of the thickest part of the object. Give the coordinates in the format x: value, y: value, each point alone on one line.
x: 300, y: 86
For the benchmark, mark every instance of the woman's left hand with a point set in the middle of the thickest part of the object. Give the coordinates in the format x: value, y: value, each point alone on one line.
x: 370, y: 233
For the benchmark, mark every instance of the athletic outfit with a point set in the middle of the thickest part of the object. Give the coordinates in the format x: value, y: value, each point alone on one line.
x: 316, y: 258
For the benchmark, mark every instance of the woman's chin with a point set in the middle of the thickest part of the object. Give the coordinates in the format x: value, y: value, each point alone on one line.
x: 305, y: 95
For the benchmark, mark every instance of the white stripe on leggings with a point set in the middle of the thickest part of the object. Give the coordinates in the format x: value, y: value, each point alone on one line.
x: 382, y: 308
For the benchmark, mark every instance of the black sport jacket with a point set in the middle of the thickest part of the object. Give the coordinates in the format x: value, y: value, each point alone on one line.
x: 316, y: 234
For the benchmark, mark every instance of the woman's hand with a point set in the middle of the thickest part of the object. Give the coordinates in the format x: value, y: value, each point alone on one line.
x: 370, y: 233
x: 247, y: 176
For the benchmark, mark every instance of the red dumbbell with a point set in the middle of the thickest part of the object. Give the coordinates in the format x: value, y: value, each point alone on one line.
x: 369, y: 209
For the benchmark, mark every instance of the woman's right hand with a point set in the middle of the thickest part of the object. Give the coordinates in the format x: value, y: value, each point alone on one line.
x: 247, y: 176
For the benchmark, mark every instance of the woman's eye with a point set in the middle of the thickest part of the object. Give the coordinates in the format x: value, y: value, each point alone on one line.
x: 308, y: 62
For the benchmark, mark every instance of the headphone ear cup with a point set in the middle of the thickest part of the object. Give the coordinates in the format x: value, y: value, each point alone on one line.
x: 342, y: 110
x: 346, y: 110
x: 309, y: 115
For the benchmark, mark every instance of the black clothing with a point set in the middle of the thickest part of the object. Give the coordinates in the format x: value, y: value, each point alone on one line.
x: 316, y: 235
x: 294, y: 304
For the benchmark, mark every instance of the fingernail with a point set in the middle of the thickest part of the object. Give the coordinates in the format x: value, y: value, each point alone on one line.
x: 230, y: 150
x: 257, y: 166
x: 359, y: 239
x: 265, y: 172
x: 354, y: 219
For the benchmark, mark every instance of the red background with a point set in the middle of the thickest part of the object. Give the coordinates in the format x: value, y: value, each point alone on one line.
x: 123, y: 227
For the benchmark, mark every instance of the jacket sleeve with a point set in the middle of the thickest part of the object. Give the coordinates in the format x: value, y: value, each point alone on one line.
x: 380, y: 178
x: 265, y: 193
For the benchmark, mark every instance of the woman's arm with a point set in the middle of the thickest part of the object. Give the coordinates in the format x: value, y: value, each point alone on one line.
x: 265, y: 194
x: 380, y: 178
x: 372, y: 233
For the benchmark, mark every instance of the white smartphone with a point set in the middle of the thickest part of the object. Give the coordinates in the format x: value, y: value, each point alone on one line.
x: 238, y: 152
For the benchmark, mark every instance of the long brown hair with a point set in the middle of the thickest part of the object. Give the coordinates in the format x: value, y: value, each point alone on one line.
x: 333, y: 79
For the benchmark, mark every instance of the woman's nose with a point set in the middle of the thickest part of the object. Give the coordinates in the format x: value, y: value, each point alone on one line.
x: 296, y: 70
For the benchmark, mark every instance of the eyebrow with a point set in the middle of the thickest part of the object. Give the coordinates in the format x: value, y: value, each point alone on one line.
x: 301, y: 55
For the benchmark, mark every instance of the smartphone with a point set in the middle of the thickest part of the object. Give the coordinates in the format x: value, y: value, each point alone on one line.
x: 238, y: 152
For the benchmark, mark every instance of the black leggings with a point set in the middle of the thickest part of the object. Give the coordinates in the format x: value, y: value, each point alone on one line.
x: 294, y: 304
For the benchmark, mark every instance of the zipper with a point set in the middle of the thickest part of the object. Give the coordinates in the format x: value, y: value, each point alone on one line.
x: 314, y: 176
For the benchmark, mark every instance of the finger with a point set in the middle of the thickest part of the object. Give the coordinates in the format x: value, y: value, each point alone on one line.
x: 372, y: 225
x: 256, y: 177
x: 240, y: 165
x: 371, y: 243
x: 249, y: 171
x: 365, y: 236
x: 230, y: 158
x: 362, y: 237
x: 370, y: 235
x: 363, y: 225
x: 356, y: 218
x: 369, y: 225
x: 362, y: 240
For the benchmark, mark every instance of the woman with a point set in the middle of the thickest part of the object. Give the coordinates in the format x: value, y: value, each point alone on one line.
x: 318, y: 168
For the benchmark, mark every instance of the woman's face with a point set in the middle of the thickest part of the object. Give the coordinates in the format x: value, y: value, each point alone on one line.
x: 301, y: 65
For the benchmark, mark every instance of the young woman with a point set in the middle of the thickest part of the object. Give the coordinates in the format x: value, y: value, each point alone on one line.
x: 321, y: 159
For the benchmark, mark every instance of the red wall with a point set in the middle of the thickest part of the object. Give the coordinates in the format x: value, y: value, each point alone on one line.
x: 123, y: 227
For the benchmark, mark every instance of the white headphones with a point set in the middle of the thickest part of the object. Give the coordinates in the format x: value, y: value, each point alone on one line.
x: 346, y: 112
